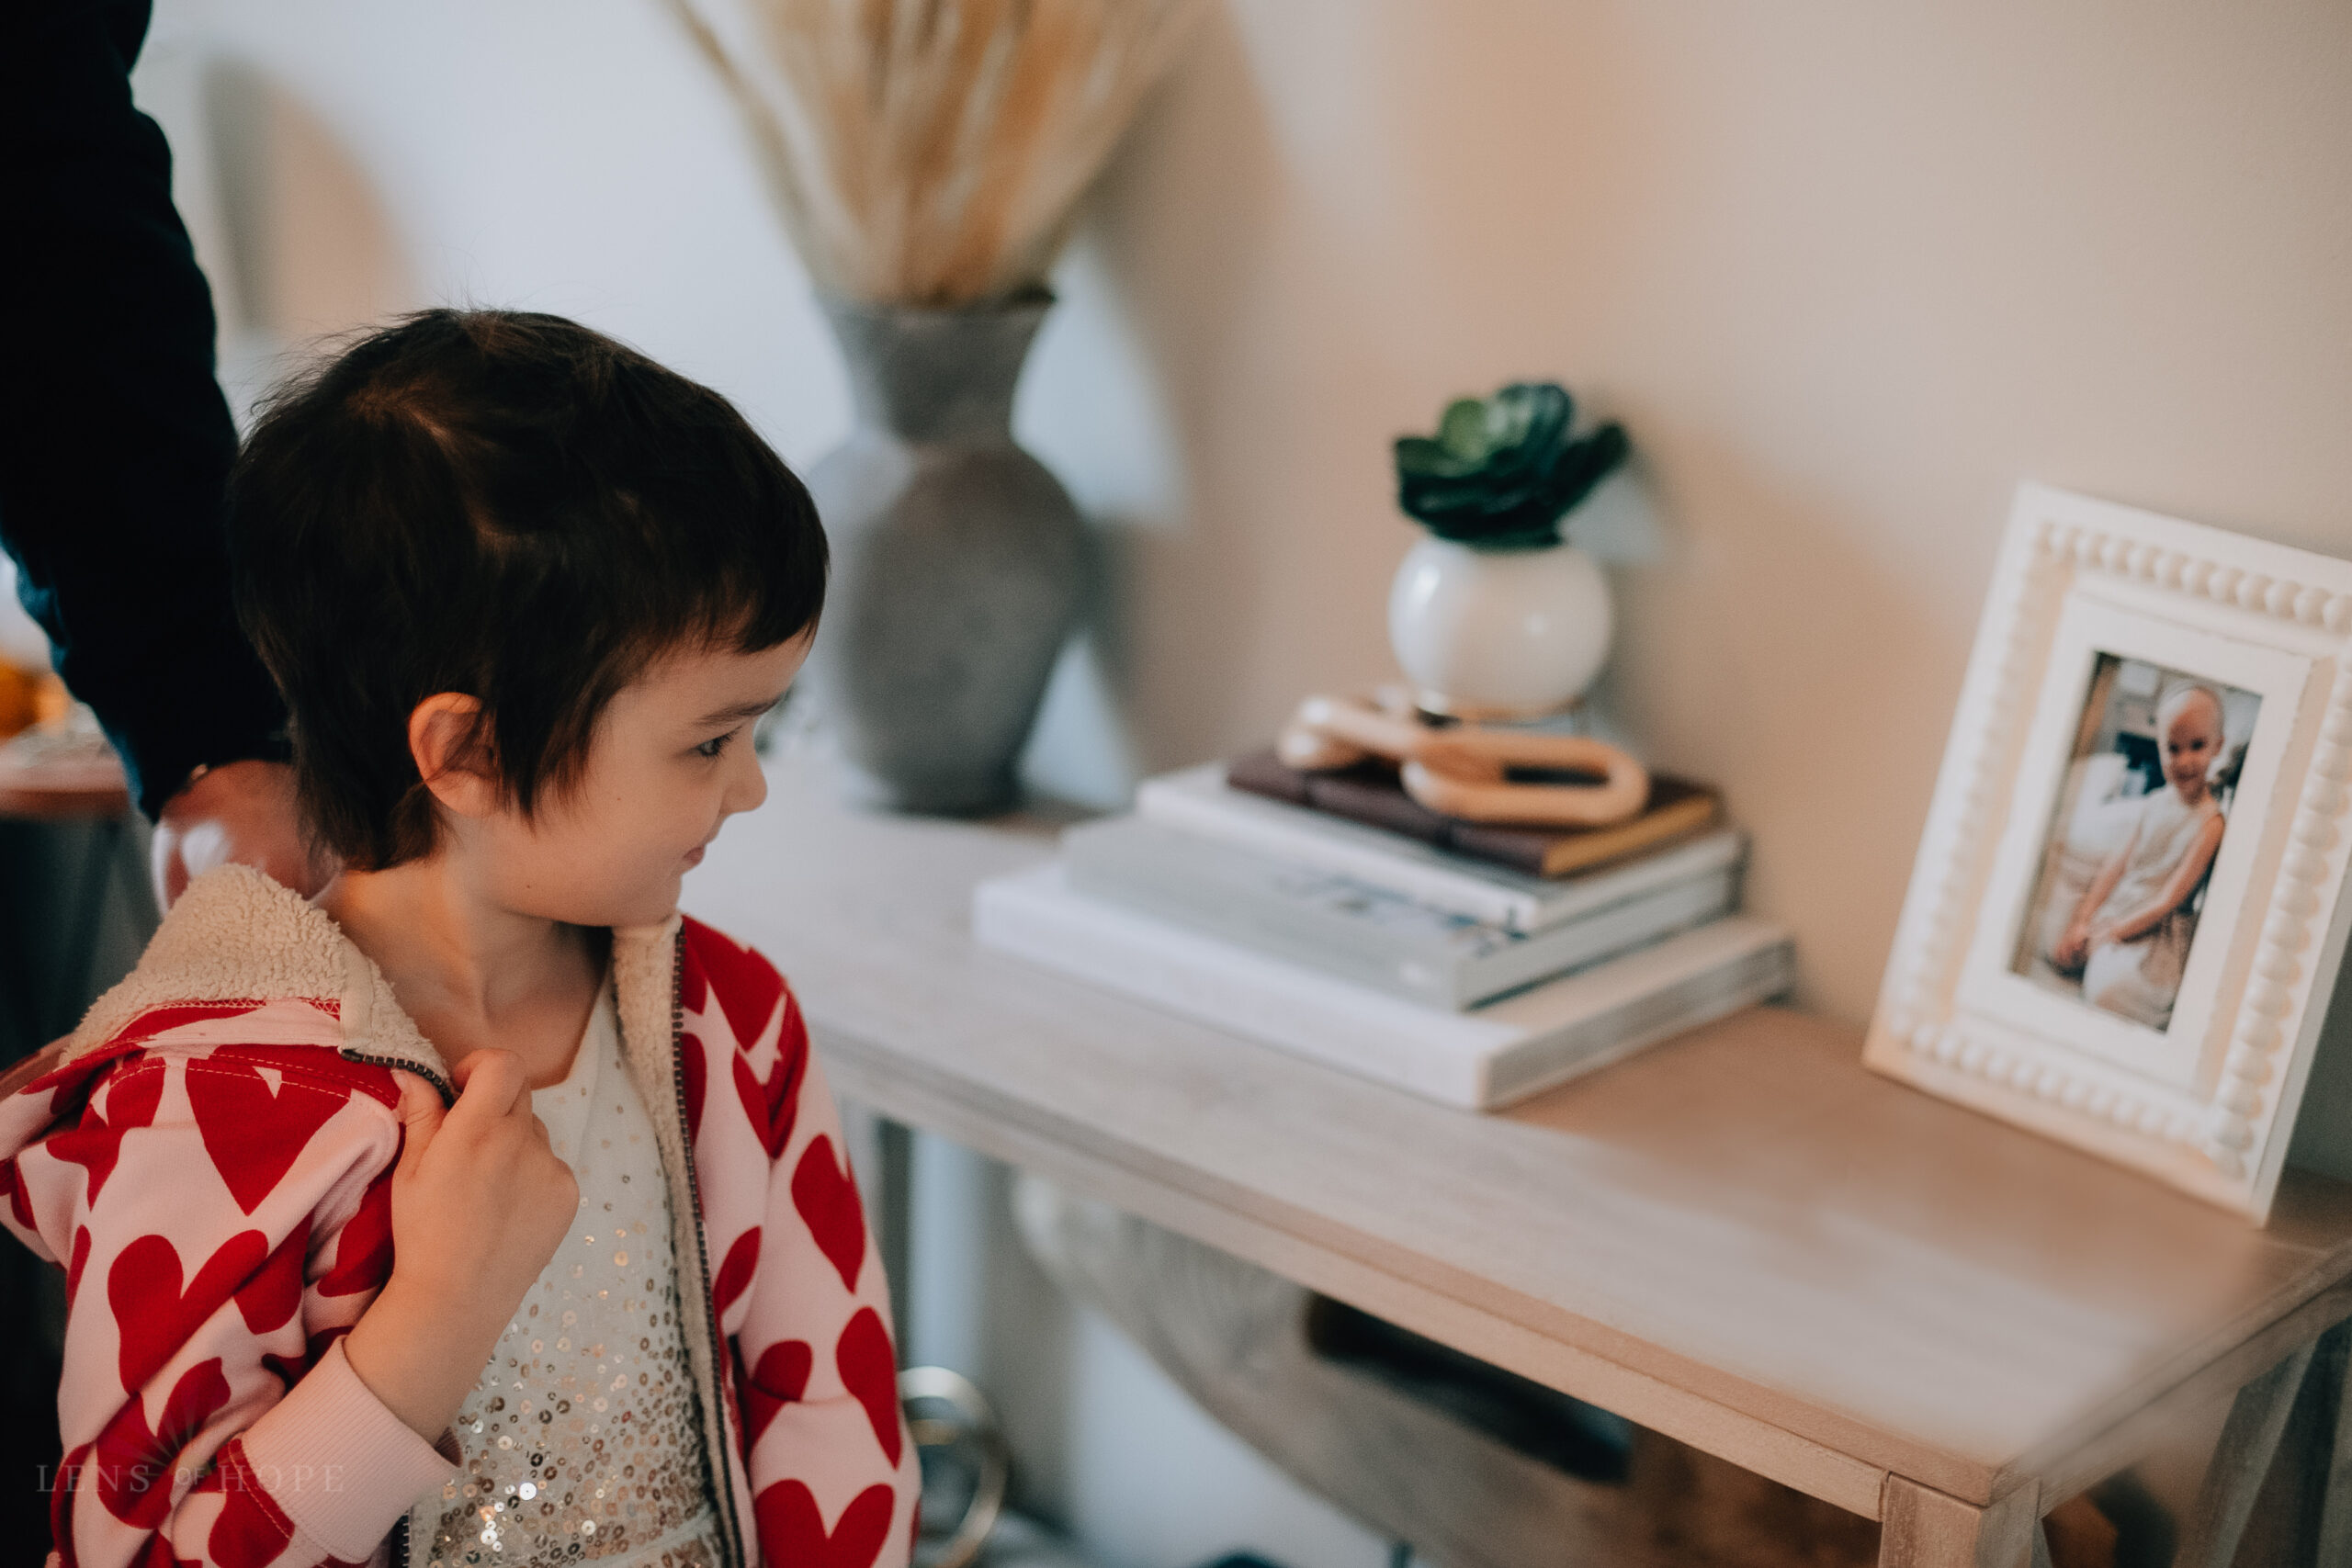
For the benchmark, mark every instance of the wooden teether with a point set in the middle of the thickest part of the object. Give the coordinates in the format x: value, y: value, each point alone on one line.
x: 1464, y: 769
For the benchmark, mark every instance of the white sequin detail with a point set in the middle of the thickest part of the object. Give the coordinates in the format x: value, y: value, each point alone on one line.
x: 581, y: 1441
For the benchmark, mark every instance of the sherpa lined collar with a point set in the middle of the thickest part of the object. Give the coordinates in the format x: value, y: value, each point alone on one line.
x: 236, y: 935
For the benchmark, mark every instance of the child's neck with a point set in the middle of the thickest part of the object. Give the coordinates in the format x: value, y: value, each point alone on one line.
x: 472, y: 973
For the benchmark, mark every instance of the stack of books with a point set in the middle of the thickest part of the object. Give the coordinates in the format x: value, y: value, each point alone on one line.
x: 1331, y: 913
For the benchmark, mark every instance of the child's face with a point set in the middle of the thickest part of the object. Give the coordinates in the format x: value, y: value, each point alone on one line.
x: 2192, y: 740
x: 672, y: 760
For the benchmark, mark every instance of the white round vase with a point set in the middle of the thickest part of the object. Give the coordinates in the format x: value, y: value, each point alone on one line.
x: 1499, y: 634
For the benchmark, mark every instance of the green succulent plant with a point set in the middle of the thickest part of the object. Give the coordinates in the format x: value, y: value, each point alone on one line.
x: 1502, y: 471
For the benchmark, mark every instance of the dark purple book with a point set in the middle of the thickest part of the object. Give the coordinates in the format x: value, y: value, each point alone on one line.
x: 1370, y: 793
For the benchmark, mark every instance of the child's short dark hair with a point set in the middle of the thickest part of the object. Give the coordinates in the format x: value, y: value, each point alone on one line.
x: 508, y: 505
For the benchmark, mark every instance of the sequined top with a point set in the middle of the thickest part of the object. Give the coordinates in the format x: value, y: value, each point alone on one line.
x: 581, y: 1442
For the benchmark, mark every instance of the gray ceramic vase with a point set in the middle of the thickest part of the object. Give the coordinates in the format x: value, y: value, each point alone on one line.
x: 958, y: 560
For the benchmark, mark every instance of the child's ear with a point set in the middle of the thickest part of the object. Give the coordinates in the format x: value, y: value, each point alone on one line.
x: 444, y: 739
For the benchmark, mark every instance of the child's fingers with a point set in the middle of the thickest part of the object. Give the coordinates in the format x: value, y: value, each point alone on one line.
x: 420, y: 1113
x: 491, y: 1082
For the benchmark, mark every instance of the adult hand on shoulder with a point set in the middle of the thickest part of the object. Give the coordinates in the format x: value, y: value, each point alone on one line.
x: 240, y: 812
x: 481, y: 1201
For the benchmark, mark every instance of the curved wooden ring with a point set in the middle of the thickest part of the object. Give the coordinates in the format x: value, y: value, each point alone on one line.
x: 1463, y: 771
x: 1461, y: 774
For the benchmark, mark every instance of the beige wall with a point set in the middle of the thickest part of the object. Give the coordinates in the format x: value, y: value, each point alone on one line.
x: 1848, y: 272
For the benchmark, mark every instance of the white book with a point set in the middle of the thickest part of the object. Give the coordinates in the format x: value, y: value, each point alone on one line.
x: 1481, y: 1059
x: 1198, y: 800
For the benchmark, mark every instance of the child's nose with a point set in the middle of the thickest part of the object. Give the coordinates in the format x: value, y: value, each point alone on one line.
x: 749, y: 787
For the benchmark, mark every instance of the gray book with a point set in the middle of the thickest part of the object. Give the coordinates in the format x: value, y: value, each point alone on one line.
x: 1480, y: 1059
x: 1356, y: 929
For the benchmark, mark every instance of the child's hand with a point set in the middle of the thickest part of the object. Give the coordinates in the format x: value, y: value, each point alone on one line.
x: 479, y: 1201
x: 479, y: 1204
x: 2073, y: 948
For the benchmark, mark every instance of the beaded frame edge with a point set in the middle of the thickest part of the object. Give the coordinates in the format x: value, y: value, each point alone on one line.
x: 2229, y: 1148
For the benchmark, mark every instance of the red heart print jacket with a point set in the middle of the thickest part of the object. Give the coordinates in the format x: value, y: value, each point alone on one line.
x: 209, y: 1158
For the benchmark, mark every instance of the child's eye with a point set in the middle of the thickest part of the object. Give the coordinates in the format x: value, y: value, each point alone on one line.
x: 716, y: 744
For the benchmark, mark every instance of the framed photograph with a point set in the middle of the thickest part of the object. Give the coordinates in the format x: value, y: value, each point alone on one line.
x: 2127, y: 915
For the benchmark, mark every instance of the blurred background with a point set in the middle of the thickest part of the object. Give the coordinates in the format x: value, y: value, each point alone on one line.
x: 1848, y: 274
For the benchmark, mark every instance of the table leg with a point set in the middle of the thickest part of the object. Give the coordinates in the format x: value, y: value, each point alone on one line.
x: 2335, y: 1483
x: 2242, y: 1462
x: 894, y: 1226
x: 1922, y: 1527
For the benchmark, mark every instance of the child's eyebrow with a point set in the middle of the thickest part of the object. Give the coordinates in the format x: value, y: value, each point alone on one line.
x: 740, y: 711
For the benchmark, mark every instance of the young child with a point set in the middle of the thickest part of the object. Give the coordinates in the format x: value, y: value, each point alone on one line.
x: 483, y: 1211
x: 2127, y: 938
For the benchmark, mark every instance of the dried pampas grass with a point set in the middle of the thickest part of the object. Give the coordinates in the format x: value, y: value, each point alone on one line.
x: 932, y: 153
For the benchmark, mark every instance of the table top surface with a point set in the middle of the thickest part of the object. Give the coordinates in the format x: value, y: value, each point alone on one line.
x: 81, y: 786
x: 1744, y: 1214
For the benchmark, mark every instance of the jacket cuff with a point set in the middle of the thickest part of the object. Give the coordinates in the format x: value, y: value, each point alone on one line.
x: 339, y: 1463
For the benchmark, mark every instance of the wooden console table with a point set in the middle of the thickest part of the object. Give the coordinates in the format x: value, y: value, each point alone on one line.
x: 1741, y: 1238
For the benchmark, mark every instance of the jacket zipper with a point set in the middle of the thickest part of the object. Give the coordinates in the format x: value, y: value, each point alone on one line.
x: 448, y: 1095
x: 400, y: 1556
x: 724, y: 1443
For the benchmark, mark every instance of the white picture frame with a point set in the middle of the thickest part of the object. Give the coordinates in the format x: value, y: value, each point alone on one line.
x: 2094, y: 608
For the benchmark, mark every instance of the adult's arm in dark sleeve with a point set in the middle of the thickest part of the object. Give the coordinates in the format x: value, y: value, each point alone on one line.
x: 115, y: 440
